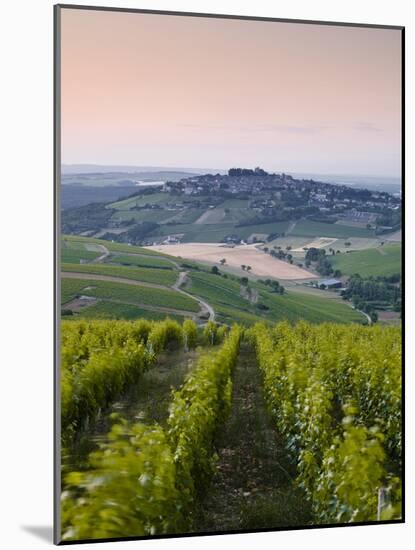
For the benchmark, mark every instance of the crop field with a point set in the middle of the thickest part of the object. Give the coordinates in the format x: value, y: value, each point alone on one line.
x: 188, y: 216
x: 71, y: 255
x: 147, y: 215
x: 307, y: 228
x: 382, y: 261
x: 263, y: 265
x: 156, y: 198
x: 140, y: 260
x: 265, y: 427
x: 215, y: 232
x: 113, y: 247
x: 148, y: 275
x: 225, y: 215
x: 135, y: 295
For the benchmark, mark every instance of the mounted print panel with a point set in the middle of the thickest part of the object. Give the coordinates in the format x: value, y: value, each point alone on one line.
x: 228, y: 274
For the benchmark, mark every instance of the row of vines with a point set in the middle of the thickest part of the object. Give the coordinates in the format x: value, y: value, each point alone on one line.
x: 145, y: 479
x: 335, y: 394
x: 100, y: 359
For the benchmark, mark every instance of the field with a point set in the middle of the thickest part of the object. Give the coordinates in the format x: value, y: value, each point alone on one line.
x: 382, y: 261
x: 84, y: 242
x: 263, y: 265
x: 128, y: 293
x: 307, y: 228
x: 232, y: 305
x: 163, y: 277
x: 255, y: 434
x: 140, y: 260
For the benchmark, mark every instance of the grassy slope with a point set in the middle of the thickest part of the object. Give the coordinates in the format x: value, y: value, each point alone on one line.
x: 224, y: 295
x: 140, y: 261
x: 309, y: 228
x: 382, y: 261
x: 127, y: 293
x: 70, y: 255
x: 148, y: 215
x: 112, y: 247
x: 146, y: 275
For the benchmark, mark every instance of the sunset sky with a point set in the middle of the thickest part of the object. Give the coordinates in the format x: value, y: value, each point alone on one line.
x: 157, y: 90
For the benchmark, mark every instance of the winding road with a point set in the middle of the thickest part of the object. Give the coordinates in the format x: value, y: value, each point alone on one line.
x: 206, y: 308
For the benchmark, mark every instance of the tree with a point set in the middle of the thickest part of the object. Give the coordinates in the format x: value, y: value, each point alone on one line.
x: 243, y: 267
x: 244, y: 281
x: 265, y: 249
x: 288, y: 247
x: 248, y: 268
x: 215, y: 270
x: 223, y: 261
x: 368, y: 226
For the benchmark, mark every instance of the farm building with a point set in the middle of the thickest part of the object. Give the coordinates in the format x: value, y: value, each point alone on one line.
x: 331, y: 283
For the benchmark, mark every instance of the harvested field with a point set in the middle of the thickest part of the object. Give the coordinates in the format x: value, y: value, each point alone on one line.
x: 321, y: 242
x: 262, y: 265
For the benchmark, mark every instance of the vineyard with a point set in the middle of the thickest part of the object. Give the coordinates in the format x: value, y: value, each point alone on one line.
x: 171, y: 428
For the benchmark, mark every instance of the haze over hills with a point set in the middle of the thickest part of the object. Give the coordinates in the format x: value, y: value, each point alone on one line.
x: 388, y: 184
x: 100, y: 168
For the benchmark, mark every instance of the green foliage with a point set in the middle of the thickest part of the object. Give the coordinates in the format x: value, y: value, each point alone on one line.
x: 335, y: 394
x: 163, y: 334
x: 189, y: 334
x: 144, y: 480
x: 99, y: 359
x: 197, y: 410
x: 129, y: 491
x: 352, y: 473
x: 210, y: 333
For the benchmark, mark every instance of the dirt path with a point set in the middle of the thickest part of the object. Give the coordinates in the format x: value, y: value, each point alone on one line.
x: 253, y: 487
x: 206, y: 308
x: 105, y: 254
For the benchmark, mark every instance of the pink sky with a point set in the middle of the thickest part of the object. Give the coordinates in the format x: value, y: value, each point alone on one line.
x: 147, y: 89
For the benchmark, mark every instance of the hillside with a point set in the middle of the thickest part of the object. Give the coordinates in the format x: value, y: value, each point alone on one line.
x: 378, y: 262
x: 108, y: 280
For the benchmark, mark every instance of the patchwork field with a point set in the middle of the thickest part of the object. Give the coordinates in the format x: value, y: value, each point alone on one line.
x: 262, y: 265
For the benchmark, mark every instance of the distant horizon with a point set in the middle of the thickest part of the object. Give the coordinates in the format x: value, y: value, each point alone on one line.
x: 139, y: 87
x: 171, y: 168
